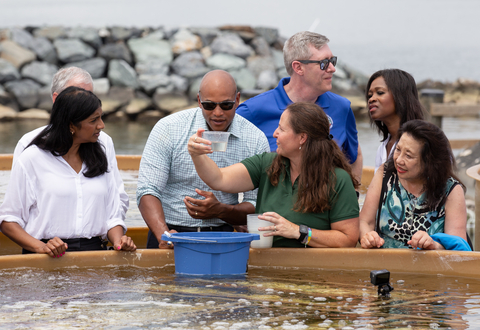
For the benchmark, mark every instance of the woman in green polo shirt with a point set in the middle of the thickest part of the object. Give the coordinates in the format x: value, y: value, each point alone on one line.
x: 306, y: 189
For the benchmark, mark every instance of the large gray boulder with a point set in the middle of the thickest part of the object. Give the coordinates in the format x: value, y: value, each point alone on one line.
x: 150, y: 82
x: 41, y: 72
x: 120, y: 73
x: 244, y: 79
x: 21, y: 37
x: 101, y: 86
x: 185, y: 41
x: 231, y: 43
x: 171, y: 101
x: 155, y: 66
x: 226, y: 62
x: 189, y: 65
x: 25, y: 92
x: 150, y: 48
x: 116, y: 51
x: 45, y: 101
x: 44, y: 49
x: 73, y: 50
x: 8, y: 71
x: 269, y: 34
x: 180, y: 83
x: 95, y: 66
x: 118, y: 33
x: 267, y: 80
x: 261, y: 46
x: 16, y: 54
x: 86, y: 34
x: 278, y: 59
x: 258, y: 64
x: 51, y: 32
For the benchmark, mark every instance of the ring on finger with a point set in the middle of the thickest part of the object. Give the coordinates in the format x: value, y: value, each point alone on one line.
x: 275, y: 228
x: 196, y: 213
x: 195, y: 140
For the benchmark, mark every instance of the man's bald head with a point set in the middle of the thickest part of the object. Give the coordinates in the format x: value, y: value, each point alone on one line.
x: 218, y: 87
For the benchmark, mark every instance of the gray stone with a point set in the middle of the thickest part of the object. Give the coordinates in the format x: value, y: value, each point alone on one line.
x: 185, y: 41
x: 150, y: 48
x: 121, y: 33
x: 189, y: 65
x: 87, y: 34
x: 50, y: 32
x: 8, y: 71
x: 206, y: 34
x: 180, y: 83
x: 5, y: 97
x: 194, y: 87
x: 359, y: 78
x: 122, y: 74
x: 165, y: 89
x: 45, y: 98
x: 116, y: 51
x: 231, y: 43
x: 44, y: 49
x: 73, y: 50
x: 150, y: 116
x: 269, y: 34
x: 101, y: 86
x: 150, y: 82
x: 244, y: 79
x: 95, y: 66
x: 171, y: 102
x: 21, y: 37
x: 267, y: 80
x: 15, y: 54
x: 282, y: 73
x: 226, y: 62
x: 257, y: 64
x: 25, y: 92
x: 156, y: 66
x: 110, y: 105
x: 261, y: 47
x: 41, y: 72
x: 29, y: 114
x: 7, y: 113
x: 122, y: 94
x: 137, y: 105
x: 278, y: 59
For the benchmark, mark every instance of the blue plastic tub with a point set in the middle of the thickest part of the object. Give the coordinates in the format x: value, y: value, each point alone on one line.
x: 211, y: 253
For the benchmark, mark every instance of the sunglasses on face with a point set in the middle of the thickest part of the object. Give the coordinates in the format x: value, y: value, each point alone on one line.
x: 225, y: 105
x: 323, y: 63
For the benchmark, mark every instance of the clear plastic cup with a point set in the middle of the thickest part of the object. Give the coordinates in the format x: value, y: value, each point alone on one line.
x: 219, y: 139
x: 253, y: 223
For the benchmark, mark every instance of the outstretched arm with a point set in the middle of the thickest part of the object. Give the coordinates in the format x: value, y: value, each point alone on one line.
x: 231, y: 179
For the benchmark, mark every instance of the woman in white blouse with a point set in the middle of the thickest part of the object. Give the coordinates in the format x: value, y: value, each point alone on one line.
x: 392, y: 99
x: 61, y: 196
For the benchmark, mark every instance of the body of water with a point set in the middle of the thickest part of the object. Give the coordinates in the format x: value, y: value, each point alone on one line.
x: 437, y: 39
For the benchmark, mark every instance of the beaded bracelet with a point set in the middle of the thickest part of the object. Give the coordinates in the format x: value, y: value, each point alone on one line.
x: 309, y: 237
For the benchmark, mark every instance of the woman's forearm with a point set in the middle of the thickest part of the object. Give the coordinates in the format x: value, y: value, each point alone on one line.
x: 17, y: 234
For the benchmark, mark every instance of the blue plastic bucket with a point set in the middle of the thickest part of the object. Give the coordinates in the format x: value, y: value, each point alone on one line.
x: 211, y: 253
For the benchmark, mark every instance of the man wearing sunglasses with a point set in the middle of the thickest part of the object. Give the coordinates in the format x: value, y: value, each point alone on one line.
x: 310, y: 64
x: 170, y: 195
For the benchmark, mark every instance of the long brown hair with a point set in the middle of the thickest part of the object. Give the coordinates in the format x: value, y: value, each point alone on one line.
x: 320, y: 156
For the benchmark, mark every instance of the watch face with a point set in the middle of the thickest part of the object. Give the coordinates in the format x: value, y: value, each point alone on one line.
x: 303, y: 229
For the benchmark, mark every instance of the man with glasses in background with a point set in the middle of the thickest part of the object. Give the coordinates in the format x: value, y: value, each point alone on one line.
x: 170, y: 195
x: 310, y: 64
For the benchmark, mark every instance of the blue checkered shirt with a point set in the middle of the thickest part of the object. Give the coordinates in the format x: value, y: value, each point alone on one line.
x: 167, y: 171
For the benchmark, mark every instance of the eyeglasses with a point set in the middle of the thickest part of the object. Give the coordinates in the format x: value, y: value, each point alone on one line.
x: 225, y: 105
x: 323, y: 63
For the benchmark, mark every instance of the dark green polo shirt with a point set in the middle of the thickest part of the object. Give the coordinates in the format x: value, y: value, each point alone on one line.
x: 281, y: 199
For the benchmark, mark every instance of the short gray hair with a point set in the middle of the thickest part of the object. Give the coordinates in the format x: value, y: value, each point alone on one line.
x: 63, y: 76
x: 297, y: 47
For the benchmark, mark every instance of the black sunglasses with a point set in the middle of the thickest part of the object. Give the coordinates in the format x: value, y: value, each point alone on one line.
x: 225, y: 105
x: 323, y: 63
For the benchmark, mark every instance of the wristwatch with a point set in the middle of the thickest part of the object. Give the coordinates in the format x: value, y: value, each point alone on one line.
x: 303, y: 234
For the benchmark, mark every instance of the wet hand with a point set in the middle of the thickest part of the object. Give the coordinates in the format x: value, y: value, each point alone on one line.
x: 372, y: 240
x: 167, y: 244
x: 125, y: 243
x: 203, y: 208
x: 197, y: 145
x: 280, y: 226
x: 55, y: 248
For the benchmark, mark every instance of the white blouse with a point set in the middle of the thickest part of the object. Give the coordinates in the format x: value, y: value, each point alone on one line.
x: 47, y: 198
x: 381, y: 156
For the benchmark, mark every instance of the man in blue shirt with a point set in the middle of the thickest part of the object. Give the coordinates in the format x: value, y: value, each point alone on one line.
x: 170, y: 194
x: 310, y: 64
